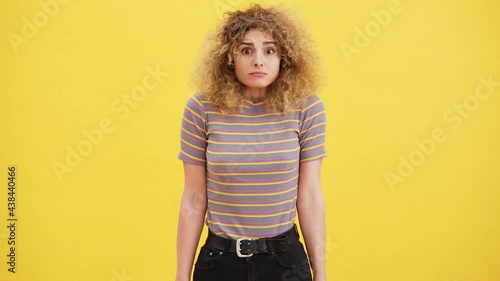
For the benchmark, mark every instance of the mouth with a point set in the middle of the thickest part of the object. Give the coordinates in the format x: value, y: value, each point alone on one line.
x: 258, y: 73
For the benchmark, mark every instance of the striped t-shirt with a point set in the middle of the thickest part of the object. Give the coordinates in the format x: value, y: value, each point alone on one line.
x: 252, y: 158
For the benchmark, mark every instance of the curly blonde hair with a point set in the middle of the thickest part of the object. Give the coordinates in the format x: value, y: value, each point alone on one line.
x: 298, y: 77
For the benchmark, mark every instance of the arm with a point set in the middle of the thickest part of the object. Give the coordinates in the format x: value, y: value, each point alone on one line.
x: 191, y: 216
x: 311, y: 211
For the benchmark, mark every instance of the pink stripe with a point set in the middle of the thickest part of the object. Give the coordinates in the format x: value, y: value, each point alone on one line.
x: 236, y: 130
x: 311, y: 131
x: 277, y: 200
x: 257, y: 160
x: 289, y: 178
x: 224, y: 138
x: 312, y: 150
x: 190, y: 116
x: 194, y: 103
x: 252, y: 121
x: 190, y: 160
x: 238, y: 149
x: 240, y: 212
x: 312, y: 108
x: 194, y: 140
x: 191, y: 151
x: 194, y: 127
x: 217, y: 228
x: 239, y: 191
x: 257, y: 223
x: 317, y: 120
x: 320, y: 139
x: 255, y: 171
x: 259, y: 114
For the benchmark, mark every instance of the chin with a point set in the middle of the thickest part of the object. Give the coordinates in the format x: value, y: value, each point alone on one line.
x: 258, y: 85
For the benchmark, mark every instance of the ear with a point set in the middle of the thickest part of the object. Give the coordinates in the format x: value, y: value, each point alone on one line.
x: 283, y: 61
x: 231, y: 59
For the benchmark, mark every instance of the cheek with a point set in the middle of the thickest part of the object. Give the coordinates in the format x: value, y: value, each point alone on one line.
x: 276, y: 65
x: 238, y: 72
x: 239, y: 65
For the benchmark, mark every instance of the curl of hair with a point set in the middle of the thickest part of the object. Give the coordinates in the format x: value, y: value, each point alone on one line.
x: 298, y: 77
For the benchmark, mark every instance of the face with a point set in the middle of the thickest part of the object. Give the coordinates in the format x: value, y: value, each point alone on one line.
x: 257, y: 62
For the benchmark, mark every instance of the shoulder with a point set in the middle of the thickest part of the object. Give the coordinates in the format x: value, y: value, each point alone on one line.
x: 197, y: 98
x: 197, y: 103
x: 202, y: 103
x: 312, y: 105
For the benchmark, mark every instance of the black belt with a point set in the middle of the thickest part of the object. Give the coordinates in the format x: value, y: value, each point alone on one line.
x: 245, y: 247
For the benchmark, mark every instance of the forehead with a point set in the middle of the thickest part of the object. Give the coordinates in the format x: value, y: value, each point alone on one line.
x: 256, y: 35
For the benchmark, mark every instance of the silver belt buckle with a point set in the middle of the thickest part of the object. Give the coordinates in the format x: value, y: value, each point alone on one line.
x: 238, y: 248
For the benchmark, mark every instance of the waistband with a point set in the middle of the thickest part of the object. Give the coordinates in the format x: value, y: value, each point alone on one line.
x: 246, y: 247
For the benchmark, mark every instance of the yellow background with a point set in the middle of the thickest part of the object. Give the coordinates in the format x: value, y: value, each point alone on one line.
x: 112, y: 217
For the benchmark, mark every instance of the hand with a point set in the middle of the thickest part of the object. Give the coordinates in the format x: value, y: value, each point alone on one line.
x: 182, y: 278
x: 319, y: 277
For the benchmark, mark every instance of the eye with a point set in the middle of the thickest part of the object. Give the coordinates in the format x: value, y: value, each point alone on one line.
x: 270, y: 51
x: 246, y: 51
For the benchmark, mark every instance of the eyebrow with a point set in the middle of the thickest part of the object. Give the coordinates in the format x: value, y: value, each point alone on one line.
x: 264, y: 43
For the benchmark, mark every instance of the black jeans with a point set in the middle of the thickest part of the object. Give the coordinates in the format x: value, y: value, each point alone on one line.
x: 216, y: 265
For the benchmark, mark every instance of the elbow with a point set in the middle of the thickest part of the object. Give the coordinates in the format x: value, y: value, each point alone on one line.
x: 194, y: 203
x: 199, y: 205
x: 314, y: 202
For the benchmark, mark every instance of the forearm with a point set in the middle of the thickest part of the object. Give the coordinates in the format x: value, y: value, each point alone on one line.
x: 191, y: 217
x: 311, y: 211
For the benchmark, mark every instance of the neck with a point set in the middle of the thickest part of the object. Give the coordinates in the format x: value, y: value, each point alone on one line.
x: 254, y: 95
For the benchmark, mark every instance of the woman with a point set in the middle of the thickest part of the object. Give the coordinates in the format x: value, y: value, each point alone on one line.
x: 252, y: 142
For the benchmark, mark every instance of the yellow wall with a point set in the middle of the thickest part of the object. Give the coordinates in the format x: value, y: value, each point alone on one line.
x: 92, y: 94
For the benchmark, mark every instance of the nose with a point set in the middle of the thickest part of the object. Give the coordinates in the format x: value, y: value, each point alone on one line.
x: 258, y: 59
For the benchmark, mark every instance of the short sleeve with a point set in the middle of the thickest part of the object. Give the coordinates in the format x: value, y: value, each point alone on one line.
x: 312, y: 130
x: 193, y: 132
